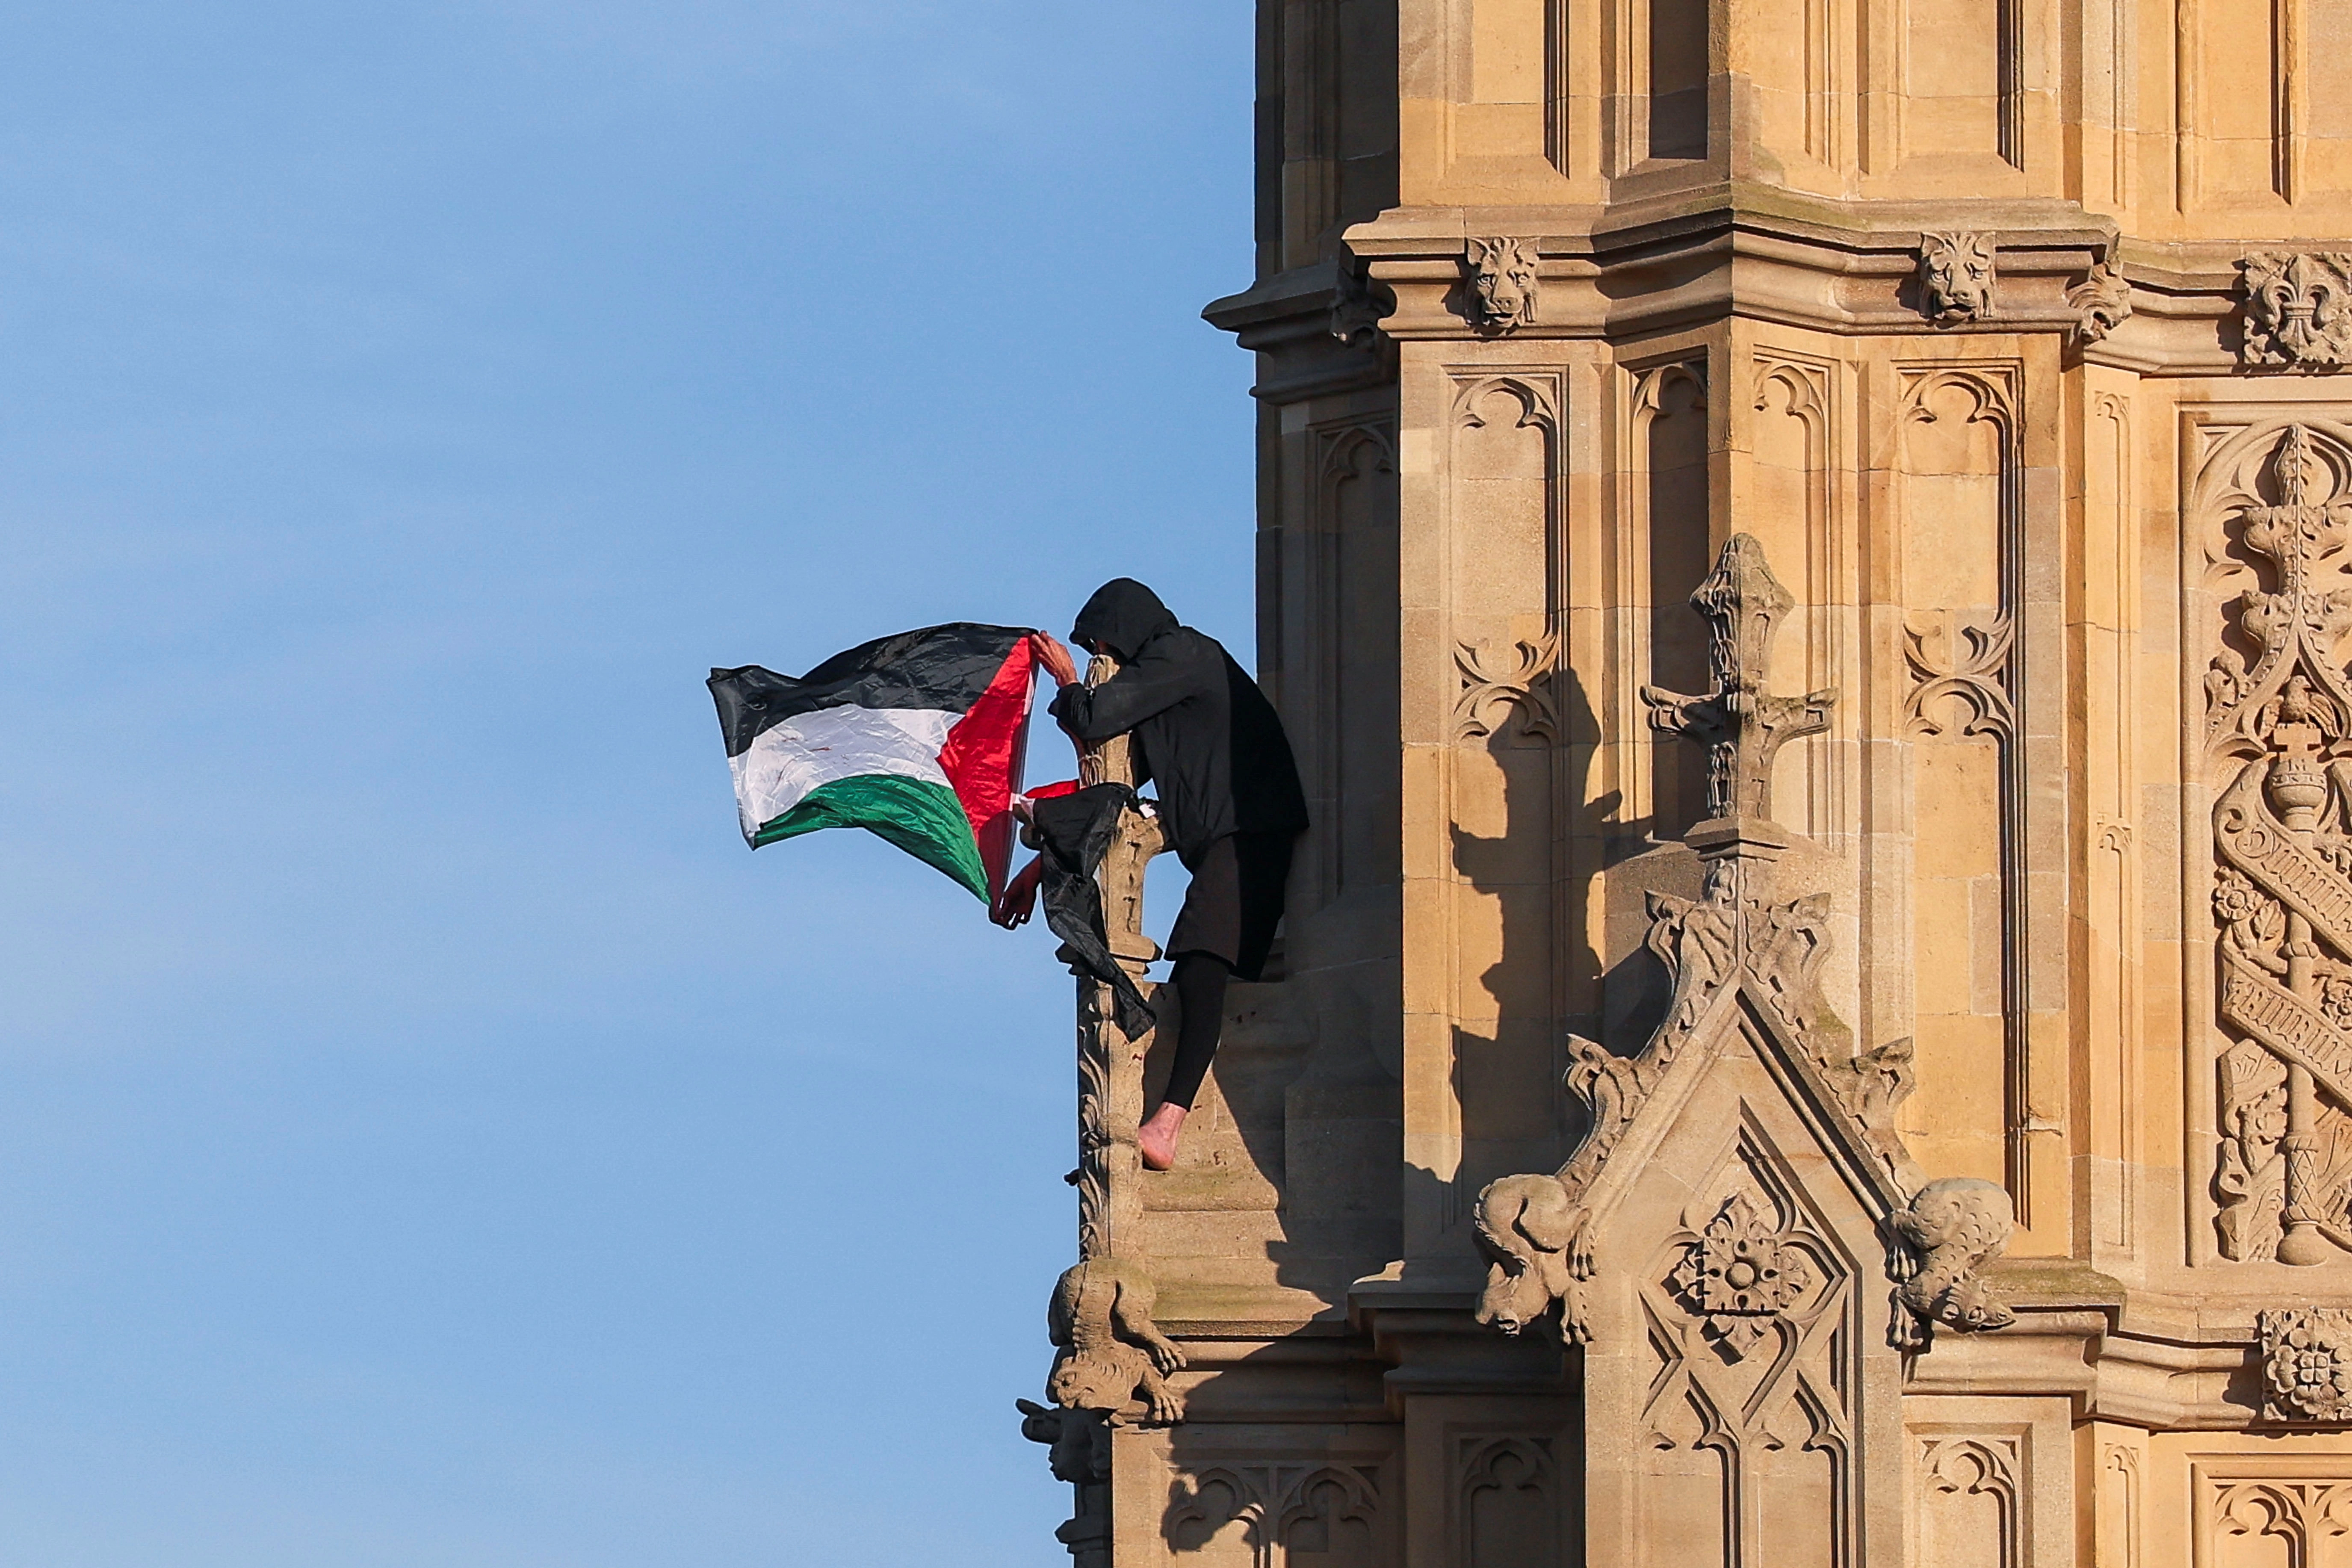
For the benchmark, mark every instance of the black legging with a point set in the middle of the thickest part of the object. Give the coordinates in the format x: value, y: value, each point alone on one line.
x: 1199, y: 981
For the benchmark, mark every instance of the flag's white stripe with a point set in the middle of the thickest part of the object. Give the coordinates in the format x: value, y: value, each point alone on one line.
x: 791, y: 759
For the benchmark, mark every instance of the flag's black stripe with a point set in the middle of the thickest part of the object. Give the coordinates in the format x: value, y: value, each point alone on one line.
x: 939, y: 666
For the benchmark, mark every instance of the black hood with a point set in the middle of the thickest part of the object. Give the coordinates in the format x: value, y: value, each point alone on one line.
x: 1120, y: 619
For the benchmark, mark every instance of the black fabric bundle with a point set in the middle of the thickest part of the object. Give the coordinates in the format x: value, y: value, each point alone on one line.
x: 1072, y: 833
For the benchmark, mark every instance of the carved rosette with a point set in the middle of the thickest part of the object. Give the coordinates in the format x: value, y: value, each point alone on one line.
x: 2306, y: 1364
x: 2298, y: 309
x: 1740, y: 1275
x: 2279, y: 709
x: 1748, y: 1352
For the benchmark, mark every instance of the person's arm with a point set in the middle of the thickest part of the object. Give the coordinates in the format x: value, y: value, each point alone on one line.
x: 1151, y: 684
x: 1013, y: 906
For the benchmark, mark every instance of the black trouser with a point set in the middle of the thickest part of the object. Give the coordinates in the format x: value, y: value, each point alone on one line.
x: 1227, y: 924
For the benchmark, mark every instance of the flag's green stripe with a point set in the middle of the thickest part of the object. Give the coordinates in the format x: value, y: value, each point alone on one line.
x: 925, y: 819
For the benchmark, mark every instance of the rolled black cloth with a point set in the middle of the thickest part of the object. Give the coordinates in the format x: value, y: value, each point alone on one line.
x: 1072, y: 832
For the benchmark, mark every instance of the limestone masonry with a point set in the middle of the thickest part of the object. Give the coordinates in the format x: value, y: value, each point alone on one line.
x: 1806, y: 552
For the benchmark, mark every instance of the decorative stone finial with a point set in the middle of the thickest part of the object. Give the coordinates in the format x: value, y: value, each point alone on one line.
x: 1742, y: 727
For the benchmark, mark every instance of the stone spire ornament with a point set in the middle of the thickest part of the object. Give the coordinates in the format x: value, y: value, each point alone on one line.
x: 1741, y: 726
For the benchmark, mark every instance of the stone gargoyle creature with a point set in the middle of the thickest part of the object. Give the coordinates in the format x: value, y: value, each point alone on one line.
x: 1535, y: 1232
x: 1111, y: 1353
x: 1953, y: 1227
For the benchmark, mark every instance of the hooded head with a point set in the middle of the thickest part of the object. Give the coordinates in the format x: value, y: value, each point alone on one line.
x: 1120, y: 619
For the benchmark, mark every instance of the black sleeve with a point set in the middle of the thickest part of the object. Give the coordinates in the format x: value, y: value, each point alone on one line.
x: 1151, y: 686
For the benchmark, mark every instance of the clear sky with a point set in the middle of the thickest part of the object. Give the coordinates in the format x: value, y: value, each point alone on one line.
x: 427, y: 1136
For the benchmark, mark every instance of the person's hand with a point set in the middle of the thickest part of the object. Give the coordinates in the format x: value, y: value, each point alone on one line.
x: 1014, y: 905
x: 1054, y: 658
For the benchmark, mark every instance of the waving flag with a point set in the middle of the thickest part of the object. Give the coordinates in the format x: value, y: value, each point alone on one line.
x: 915, y: 737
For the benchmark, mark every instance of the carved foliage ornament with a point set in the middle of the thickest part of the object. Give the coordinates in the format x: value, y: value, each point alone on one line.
x: 2283, y: 886
x: 2306, y: 1364
x: 1956, y: 276
x: 2298, y: 309
x: 1503, y: 284
x: 1494, y: 683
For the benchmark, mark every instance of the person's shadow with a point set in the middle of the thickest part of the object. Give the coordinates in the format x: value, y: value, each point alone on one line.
x: 1545, y: 979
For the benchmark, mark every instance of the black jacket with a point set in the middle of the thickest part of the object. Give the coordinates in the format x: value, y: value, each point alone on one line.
x: 1203, y: 732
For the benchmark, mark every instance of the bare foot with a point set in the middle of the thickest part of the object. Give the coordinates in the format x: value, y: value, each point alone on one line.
x: 1157, y: 1137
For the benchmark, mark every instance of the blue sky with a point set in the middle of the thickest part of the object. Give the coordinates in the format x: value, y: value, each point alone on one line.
x: 426, y: 1135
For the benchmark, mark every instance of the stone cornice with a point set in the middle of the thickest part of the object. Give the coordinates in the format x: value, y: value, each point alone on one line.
x: 1631, y: 270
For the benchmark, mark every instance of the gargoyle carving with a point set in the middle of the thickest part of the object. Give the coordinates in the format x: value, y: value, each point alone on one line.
x: 2103, y: 301
x: 1954, y: 1226
x: 1079, y: 1441
x: 1502, y: 283
x: 1956, y: 276
x: 1111, y: 1353
x: 1535, y: 1232
x: 1359, y: 304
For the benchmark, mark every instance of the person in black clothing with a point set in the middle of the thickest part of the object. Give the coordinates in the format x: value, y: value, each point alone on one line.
x: 1229, y: 798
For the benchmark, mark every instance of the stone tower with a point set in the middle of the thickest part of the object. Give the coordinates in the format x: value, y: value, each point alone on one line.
x: 1806, y: 549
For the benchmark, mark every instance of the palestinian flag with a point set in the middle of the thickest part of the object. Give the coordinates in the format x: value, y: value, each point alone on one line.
x: 915, y: 737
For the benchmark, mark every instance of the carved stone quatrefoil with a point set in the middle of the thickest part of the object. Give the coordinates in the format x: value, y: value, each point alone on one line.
x: 1741, y: 1274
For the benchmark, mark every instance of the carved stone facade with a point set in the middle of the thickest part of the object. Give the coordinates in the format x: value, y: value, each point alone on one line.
x: 1807, y: 556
